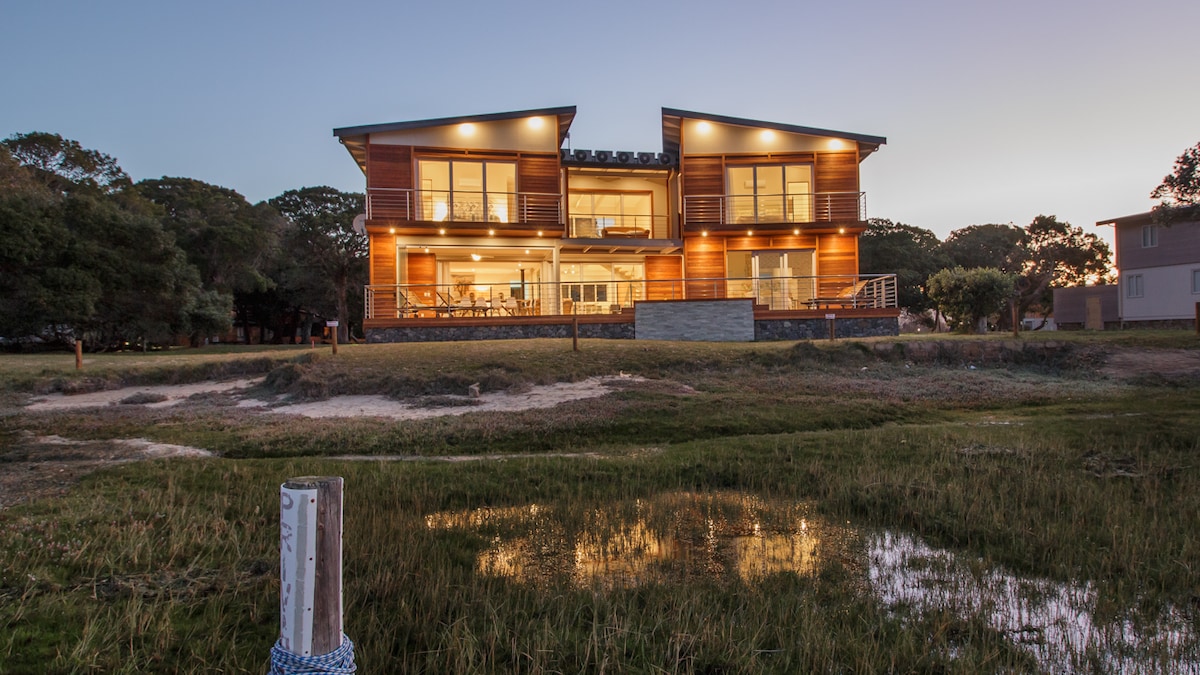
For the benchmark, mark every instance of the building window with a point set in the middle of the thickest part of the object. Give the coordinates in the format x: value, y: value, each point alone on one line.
x: 1196, y: 281
x: 611, y: 214
x: 769, y: 194
x: 1133, y: 286
x: 467, y: 190
x: 1149, y: 236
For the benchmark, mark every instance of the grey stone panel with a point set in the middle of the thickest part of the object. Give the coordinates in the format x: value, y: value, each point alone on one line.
x: 818, y: 329
x: 696, y: 320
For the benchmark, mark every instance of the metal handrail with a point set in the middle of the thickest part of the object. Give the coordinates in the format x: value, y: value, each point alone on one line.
x: 463, y: 206
x: 808, y: 207
x: 555, y: 298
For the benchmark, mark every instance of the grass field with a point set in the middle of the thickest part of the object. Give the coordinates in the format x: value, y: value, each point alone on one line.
x: 782, y: 507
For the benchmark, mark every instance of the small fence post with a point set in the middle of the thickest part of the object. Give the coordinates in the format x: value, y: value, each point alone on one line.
x: 311, y: 637
x: 574, y: 328
x: 79, y: 349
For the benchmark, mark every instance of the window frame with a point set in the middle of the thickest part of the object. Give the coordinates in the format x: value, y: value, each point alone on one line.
x: 1135, y: 286
x: 1149, y: 236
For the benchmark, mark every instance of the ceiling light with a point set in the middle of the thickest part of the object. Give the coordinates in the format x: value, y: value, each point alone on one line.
x: 442, y: 231
x: 704, y: 233
x: 466, y: 129
x: 491, y: 233
x: 841, y: 230
x: 476, y: 257
x: 796, y: 231
x: 703, y: 127
x: 536, y: 123
x: 391, y: 230
x: 767, y: 135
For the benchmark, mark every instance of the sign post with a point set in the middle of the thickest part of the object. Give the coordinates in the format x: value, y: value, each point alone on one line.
x: 831, y: 320
x: 310, y: 576
x: 334, y: 332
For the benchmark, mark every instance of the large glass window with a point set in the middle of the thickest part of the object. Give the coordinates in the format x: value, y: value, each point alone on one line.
x: 467, y: 190
x: 611, y: 214
x: 770, y: 194
x: 591, y: 288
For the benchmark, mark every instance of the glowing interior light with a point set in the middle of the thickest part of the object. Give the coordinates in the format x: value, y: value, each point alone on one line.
x: 500, y: 210
x: 796, y: 231
x: 539, y: 233
x: 440, y: 211
x: 476, y: 257
x: 536, y: 123
x: 442, y: 231
x: 466, y: 129
x: 841, y: 230
x: 391, y: 230
x: 704, y: 233
x: 767, y: 135
x: 703, y: 127
x: 749, y: 233
x: 491, y: 233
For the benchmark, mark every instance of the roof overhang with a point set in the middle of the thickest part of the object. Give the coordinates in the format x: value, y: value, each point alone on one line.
x: 672, y: 123
x: 355, y: 138
x: 1135, y: 219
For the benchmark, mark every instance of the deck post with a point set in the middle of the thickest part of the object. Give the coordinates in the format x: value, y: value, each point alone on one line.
x: 310, y: 567
x: 79, y: 348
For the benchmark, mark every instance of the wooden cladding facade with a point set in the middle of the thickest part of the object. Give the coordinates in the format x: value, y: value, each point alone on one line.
x: 704, y: 258
x: 389, y: 166
x: 538, y: 173
x: 703, y: 175
x: 663, y: 273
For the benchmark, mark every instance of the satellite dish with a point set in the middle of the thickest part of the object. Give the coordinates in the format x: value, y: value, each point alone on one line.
x: 360, y: 223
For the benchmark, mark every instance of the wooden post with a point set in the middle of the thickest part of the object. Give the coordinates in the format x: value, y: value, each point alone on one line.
x: 831, y: 325
x: 333, y: 333
x: 574, y: 328
x: 79, y: 352
x: 310, y: 565
x: 1015, y: 323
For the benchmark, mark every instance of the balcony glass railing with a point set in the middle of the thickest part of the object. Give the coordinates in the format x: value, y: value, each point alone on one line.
x: 458, y: 206
x: 617, y: 226
x: 794, y: 208
x: 413, y: 301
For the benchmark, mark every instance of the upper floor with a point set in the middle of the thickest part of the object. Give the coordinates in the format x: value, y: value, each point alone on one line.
x: 1142, y: 242
x: 509, y: 174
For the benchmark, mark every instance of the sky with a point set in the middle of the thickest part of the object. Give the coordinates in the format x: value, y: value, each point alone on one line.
x: 994, y: 112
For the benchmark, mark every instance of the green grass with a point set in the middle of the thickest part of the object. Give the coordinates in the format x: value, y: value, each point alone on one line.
x: 1046, y: 470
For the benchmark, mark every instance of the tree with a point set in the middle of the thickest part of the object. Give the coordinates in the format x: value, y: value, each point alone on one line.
x: 1058, y: 254
x: 992, y: 245
x: 970, y: 296
x: 64, y: 165
x: 913, y: 254
x: 82, y: 255
x: 230, y: 242
x: 1180, y: 190
x: 328, y: 257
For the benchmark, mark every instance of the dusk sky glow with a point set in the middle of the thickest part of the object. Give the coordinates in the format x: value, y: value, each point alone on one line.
x: 994, y: 112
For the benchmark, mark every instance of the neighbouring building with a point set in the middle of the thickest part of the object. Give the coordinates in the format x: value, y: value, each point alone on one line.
x: 487, y: 226
x: 1159, y: 271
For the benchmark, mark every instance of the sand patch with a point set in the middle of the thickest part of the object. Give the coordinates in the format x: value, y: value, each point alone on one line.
x: 545, y: 396
x: 158, y: 396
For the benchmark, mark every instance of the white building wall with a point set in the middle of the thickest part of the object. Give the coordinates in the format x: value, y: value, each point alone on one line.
x: 1166, y: 293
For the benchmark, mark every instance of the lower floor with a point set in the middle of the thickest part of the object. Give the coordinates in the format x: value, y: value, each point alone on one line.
x: 436, y: 278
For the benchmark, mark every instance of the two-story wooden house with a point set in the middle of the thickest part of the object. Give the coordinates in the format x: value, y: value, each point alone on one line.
x: 487, y: 220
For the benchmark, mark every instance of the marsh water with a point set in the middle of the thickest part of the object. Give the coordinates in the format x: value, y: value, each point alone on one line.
x: 736, y: 538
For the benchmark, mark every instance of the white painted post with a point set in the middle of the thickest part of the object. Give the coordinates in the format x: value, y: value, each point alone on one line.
x: 310, y: 565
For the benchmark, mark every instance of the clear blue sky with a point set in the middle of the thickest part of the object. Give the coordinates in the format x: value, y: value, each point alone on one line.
x: 994, y: 112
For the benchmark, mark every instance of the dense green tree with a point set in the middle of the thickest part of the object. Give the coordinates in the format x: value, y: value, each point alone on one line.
x: 328, y: 259
x: 912, y: 253
x: 82, y: 256
x: 970, y: 296
x: 998, y: 246
x: 1180, y: 190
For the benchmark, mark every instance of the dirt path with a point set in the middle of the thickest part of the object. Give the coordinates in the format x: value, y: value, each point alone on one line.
x: 1127, y: 362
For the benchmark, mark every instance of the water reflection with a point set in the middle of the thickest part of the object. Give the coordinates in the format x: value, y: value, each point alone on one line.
x: 682, y: 537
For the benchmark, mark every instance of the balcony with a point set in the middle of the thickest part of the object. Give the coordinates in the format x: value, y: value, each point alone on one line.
x: 502, y: 300
x: 738, y: 211
x: 443, y: 206
x: 618, y: 226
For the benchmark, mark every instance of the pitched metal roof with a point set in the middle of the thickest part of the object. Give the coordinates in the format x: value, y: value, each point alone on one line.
x: 354, y: 138
x: 672, y: 121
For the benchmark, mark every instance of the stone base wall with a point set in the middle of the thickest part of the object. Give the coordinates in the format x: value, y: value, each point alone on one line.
x: 696, y: 320
x: 818, y: 329
x: 612, y: 331
x: 764, y: 330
